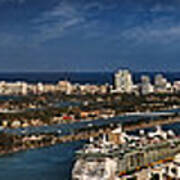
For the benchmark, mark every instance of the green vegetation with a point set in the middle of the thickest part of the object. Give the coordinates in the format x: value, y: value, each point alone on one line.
x: 45, y: 107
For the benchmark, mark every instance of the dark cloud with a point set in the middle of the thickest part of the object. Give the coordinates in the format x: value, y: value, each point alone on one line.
x: 74, y: 35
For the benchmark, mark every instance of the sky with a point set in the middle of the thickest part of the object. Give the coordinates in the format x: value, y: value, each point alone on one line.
x: 89, y: 35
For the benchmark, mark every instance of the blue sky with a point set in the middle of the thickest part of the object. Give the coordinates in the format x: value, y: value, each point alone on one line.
x: 89, y: 35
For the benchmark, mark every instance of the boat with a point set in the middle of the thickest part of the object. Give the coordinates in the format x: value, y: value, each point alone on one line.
x: 117, y: 154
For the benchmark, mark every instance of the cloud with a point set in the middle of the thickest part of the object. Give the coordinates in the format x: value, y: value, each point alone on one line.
x: 89, y: 17
x: 160, y: 30
x: 53, y: 23
x: 159, y: 8
x: 143, y: 23
x: 64, y: 17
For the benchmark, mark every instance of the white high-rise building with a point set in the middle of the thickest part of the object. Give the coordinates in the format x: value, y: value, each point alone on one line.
x: 123, y: 81
x: 161, y: 84
x: 146, y: 86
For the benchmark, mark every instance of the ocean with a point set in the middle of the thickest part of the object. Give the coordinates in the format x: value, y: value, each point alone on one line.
x: 78, y: 77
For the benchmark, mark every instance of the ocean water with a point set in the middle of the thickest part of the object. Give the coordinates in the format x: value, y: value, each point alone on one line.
x: 78, y: 77
x: 50, y: 163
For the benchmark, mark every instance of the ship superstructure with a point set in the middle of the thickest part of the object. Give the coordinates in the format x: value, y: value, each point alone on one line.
x: 118, y: 154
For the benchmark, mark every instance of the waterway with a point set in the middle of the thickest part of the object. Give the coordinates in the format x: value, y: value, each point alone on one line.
x: 49, y: 163
x: 52, y: 163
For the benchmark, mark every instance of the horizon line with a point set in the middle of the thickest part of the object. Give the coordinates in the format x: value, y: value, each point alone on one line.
x: 113, y: 71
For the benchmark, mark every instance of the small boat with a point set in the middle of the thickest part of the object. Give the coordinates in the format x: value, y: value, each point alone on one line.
x: 59, y: 131
x: 90, y: 125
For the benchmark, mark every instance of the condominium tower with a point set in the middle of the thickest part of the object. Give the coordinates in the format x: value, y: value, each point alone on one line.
x: 123, y: 81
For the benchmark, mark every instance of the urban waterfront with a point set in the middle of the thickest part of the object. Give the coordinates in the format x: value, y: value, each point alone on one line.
x: 89, y: 90
x: 46, y: 163
x: 42, y: 137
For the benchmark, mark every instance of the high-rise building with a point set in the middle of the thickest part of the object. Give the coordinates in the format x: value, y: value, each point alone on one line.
x: 146, y: 86
x: 161, y: 84
x: 123, y: 81
x: 160, y: 81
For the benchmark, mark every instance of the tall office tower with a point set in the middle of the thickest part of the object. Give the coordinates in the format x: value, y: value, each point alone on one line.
x: 123, y: 81
x: 146, y: 86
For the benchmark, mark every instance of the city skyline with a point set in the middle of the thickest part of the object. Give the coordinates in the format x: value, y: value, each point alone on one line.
x: 82, y: 36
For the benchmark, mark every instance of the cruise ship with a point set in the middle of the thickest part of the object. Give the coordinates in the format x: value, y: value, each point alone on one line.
x: 121, y: 156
